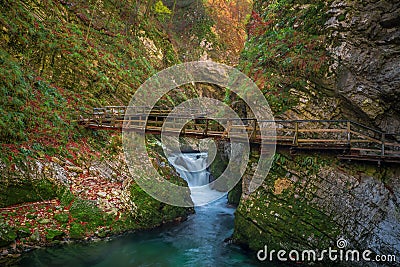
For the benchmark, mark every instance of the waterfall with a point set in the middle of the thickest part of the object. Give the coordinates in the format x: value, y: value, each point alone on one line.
x: 193, y: 168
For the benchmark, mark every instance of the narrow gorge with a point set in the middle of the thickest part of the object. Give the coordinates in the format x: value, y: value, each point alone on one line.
x: 330, y: 71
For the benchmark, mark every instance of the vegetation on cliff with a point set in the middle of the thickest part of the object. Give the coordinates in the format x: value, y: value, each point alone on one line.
x: 285, y: 49
x: 59, y: 59
x: 313, y: 60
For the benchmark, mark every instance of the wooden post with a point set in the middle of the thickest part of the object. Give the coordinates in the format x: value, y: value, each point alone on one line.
x: 113, y: 120
x: 253, y: 134
x: 228, y: 128
x: 206, y: 130
x: 348, y: 130
x: 296, y: 133
x: 383, y: 144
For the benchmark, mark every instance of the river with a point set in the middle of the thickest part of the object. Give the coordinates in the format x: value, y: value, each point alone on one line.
x: 198, y: 241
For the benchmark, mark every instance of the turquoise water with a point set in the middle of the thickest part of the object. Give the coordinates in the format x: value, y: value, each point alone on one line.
x: 199, y: 241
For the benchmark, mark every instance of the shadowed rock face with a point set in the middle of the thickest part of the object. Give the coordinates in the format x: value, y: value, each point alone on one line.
x: 362, y: 39
x: 365, y: 45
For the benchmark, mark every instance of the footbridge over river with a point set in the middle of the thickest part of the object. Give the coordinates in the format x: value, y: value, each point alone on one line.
x: 350, y: 140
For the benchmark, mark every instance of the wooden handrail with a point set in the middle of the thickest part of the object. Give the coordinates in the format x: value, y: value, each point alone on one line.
x: 297, y: 133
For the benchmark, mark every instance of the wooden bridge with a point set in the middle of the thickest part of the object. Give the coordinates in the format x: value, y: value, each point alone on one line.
x: 351, y: 140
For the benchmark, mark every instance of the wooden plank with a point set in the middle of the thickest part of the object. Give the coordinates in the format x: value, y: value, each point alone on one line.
x: 361, y: 141
x: 392, y: 144
x: 321, y: 141
x: 365, y: 149
x: 112, y: 118
x: 366, y: 137
x: 322, y: 130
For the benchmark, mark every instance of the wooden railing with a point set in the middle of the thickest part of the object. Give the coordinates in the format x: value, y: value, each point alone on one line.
x: 357, y: 141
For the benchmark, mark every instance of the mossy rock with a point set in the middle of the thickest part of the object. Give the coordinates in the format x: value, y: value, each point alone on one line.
x: 53, y: 234
x: 76, y: 231
x: 7, y: 234
x: 235, y: 194
x: 61, y: 217
x: 86, y: 211
x: 44, y: 221
x: 170, y: 213
x: 103, y: 232
x: 23, y: 232
x: 151, y: 212
x: 26, y: 191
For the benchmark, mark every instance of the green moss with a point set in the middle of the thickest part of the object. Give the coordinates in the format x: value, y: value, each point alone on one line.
x: 342, y: 17
x: 219, y: 165
x: 235, y: 194
x: 53, y: 234
x: 284, y: 217
x: 23, y: 232
x: 88, y: 213
x: 151, y: 212
x: 65, y: 195
x: 76, y: 231
x: 7, y: 234
x: 61, y: 217
x: 171, y: 213
x: 26, y: 191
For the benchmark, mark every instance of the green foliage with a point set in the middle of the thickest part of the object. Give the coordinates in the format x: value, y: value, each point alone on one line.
x: 53, y: 234
x: 65, y: 196
x: 285, y: 49
x: 76, y: 231
x: 61, y: 217
x: 7, y: 234
x: 14, y: 92
x: 85, y: 211
x: 53, y: 69
x: 163, y: 13
x: 23, y: 232
x: 26, y: 191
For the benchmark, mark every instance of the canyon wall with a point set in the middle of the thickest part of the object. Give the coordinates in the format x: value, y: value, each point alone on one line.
x: 325, y: 60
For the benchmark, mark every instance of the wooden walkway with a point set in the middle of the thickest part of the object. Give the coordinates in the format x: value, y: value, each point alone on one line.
x: 351, y: 140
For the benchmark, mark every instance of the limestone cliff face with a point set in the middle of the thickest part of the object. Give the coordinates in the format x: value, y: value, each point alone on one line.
x: 311, y: 200
x: 328, y: 59
x: 362, y: 80
x: 365, y: 45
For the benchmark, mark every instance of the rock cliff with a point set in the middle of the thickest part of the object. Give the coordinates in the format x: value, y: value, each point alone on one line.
x: 59, y: 59
x: 325, y: 60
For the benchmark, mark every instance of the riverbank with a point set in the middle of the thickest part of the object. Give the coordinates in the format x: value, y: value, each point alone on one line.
x: 18, y: 250
x: 95, y: 199
x: 201, y: 240
x: 198, y: 241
